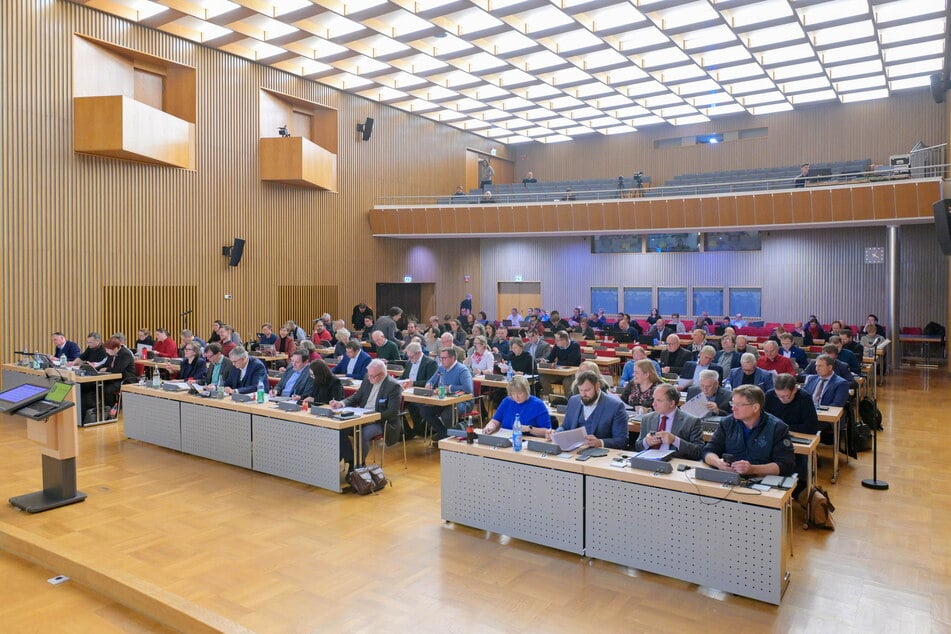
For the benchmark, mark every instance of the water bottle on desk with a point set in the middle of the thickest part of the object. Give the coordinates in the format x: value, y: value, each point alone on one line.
x: 156, y: 378
x: 509, y: 374
x: 62, y: 361
x: 517, y: 433
x: 260, y: 394
x: 220, y: 388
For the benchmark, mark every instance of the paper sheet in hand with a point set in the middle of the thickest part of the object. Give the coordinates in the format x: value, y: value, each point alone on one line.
x: 571, y: 439
x: 697, y: 406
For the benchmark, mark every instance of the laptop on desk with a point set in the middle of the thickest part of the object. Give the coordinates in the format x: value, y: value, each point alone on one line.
x: 53, y: 399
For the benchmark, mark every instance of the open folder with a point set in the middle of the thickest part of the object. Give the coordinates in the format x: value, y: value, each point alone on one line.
x: 571, y: 439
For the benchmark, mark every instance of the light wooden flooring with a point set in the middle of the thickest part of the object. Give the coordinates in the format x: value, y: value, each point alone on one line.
x: 275, y: 556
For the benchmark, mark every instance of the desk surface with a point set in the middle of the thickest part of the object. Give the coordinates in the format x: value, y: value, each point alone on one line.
x: 268, y: 409
x: 410, y: 396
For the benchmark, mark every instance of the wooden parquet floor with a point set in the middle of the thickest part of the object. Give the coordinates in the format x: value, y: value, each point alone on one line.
x: 276, y: 556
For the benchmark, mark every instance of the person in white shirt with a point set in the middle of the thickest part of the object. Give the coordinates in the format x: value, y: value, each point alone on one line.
x: 515, y: 318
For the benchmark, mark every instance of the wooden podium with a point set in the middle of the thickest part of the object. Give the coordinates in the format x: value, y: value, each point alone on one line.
x: 59, y: 442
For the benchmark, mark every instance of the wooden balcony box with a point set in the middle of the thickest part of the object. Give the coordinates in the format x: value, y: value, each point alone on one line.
x: 298, y: 161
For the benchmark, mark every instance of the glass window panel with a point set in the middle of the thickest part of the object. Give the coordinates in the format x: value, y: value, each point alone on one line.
x: 604, y: 297
x: 708, y: 300
x: 666, y: 242
x: 616, y: 244
x: 672, y: 300
x: 732, y: 241
x: 638, y: 300
x: 747, y: 301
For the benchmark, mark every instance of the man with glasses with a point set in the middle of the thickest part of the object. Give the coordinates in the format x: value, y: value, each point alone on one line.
x: 757, y: 441
x: 416, y: 373
x: 669, y: 428
x: 455, y: 377
x: 378, y: 393
x: 297, y: 382
x: 219, y: 366
x: 674, y: 358
x: 247, y: 372
x: 794, y: 407
x: 94, y: 354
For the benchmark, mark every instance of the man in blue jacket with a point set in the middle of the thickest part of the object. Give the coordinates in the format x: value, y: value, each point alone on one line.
x: 355, y: 363
x: 758, y: 442
x: 297, y: 382
x: 601, y: 414
x: 749, y: 374
x: 455, y: 377
x: 825, y: 387
x: 246, y: 372
x: 65, y: 346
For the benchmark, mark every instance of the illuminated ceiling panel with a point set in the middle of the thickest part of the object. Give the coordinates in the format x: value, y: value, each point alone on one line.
x: 560, y: 69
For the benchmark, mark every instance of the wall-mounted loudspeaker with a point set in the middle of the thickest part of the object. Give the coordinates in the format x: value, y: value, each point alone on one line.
x: 366, y: 128
x: 942, y: 224
x: 234, y: 252
x: 939, y: 87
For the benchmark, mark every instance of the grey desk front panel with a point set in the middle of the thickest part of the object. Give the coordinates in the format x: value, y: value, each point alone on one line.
x: 297, y: 451
x: 536, y: 504
x: 218, y: 434
x: 726, y: 545
x: 152, y: 420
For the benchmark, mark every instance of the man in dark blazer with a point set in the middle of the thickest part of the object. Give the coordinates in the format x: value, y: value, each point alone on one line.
x: 669, y: 428
x: 674, y: 358
x: 691, y: 369
x: 727, y: 357
x: 838, y: 367
x: 605, y: 419
x: 219, y: 365
x: 825, y: 387
x: 247, y: 372
x: 355, y: 363
x: 718, y: 398
x: 749, y: 374
x: 379, y: 392
x: 419, y: 369
x: 65, y: 347
x: 297, y: 380
x: 536, y: 346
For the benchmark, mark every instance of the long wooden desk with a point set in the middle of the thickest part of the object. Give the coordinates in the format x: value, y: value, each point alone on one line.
x: 294, y: 445
x: 16, y: 375
x: 732, y: 539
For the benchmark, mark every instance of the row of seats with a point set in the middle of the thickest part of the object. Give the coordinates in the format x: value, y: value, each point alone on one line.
x: 757, y: 179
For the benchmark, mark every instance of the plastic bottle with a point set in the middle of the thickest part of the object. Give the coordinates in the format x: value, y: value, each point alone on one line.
x: 156, y: 378
x: 260, y: 395
x: 62, y: 361
x: 517, y: 433
x: 220, y: 387
x: 509, y: 374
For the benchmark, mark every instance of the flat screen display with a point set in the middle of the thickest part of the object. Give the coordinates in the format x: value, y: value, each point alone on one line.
x: 17, y: 397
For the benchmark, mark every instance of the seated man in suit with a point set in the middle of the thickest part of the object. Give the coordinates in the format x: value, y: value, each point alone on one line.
x: 385, y: 349
x: 355, y: 363
x: 757, y: 441
x: 455, y: 377
x: 219, y: 366
x: 850, y: 344
x: 692, y: 369
x: 247, y: 372
x: 537, y: 347
x: 718, y: 398
x: 794, y: 407
x: 416, y: 373
x: 669, y: 428
x: 378, y: 393
x: 793, y: 352
x: 698, y: 341
x: 774, y: 362
x: 727, y: 358
x: 674, y: 358
x: 65, y: 347
x: 825, y: 386
x: 94, y: 354
x: 601, y: 414
x: 839, y: 367
x: 297, y: 382
x: 660, y: 331
x: 749, y: 374
x: 845, y: 355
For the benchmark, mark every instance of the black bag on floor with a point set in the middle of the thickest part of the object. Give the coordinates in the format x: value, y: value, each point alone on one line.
x: 861, y: 439
x: 870, y: 414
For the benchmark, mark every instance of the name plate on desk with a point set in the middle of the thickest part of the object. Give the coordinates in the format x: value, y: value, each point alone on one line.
x: 242, y: 398
x: 715, y: 475
x: 423, y: 391
x: 289, y: 406
x: 495, y: 377
x: 494, y: 441
x: 322, y: 411
x: 543, y: 447
x: 657, y: 466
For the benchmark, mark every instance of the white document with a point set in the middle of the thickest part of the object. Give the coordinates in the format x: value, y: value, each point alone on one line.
x: 180, y: 386
x: 359, y: 411
x: 656, y: 454
x: 697, y: 406
x: 571, y: 439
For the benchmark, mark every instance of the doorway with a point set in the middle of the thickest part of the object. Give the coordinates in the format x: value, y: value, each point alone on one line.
x: 521, y: 295
x: 418, y: 300
x: 504, y: 169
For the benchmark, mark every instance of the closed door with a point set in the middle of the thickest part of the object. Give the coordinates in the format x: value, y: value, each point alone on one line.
x: 521, y: 295
x: 406, y: 296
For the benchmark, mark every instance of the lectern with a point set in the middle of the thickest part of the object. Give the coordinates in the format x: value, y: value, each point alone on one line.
x: 59, y: 445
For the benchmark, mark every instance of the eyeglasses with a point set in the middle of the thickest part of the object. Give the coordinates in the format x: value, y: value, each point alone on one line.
x: 735, y: 404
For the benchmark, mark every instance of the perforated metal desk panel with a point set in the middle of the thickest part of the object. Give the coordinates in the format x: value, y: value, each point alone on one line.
x: 305, y: 453
x: 153, y: 420
x: 727, y: 545
x: 494, y: 490
x: 217, y: 433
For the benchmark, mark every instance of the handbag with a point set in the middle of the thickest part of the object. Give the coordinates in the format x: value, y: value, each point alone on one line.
x: 367, y: 480
x: 820, y: 509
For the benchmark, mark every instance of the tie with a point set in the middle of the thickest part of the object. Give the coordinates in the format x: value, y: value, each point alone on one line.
x: 817, y: 397
x: 663, y: 424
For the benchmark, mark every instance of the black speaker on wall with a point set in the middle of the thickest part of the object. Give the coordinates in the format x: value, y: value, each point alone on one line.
x: 939, y: 87
x: 234, y: 252
x: 366, y: 128
x: 942, y: 224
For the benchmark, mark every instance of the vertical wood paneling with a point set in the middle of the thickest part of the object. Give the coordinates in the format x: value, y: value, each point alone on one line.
x: 73, y: 225
x: 800, y: 272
